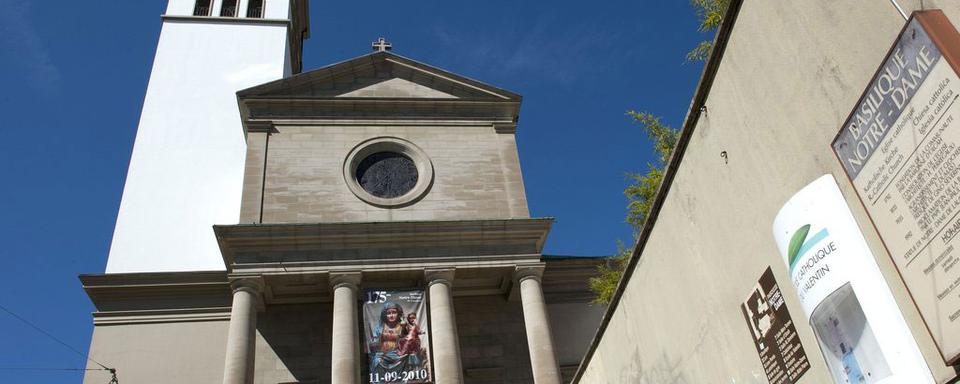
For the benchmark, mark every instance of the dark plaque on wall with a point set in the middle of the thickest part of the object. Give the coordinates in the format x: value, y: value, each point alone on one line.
x: 773, y: 332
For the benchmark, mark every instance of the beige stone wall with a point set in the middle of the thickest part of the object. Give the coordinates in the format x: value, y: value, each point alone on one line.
x: 160, y: 353
x: 792, y: 72
x: 293, y: 344
x: 253, y: 178
x: 477, y: 174
x: 493, y: 347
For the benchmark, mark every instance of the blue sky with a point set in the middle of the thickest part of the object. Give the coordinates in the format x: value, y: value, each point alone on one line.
x: 74, y: 75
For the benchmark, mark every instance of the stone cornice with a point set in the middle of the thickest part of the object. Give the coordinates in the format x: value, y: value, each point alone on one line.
x: 501, y: 127
x: 397, y: 243
x: 206, y: 296
x: 272, y: 108
x: 363, y: 123
x: 141, y: 279
x: 567, y: 280
x: 161, y: 316
x: 321, y: 77
x: 157, y: 291
x: 260, y: 126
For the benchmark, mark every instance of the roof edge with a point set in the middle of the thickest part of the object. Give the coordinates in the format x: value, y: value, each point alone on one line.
x: 388, y: 56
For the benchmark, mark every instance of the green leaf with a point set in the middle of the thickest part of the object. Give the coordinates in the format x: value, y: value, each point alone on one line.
x: 604, y: 285
x: 710, y: 14
x: 796, y: 242
x: 701, y: 52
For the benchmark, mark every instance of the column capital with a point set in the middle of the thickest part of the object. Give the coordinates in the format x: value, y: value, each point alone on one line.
x: 531, y: 271
x: 253, y: 284
x: 439, y: 275
x: 349, y: 279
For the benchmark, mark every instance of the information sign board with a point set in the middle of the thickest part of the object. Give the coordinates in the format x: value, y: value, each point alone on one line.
x: 774, y: 333
x: 900, y: 147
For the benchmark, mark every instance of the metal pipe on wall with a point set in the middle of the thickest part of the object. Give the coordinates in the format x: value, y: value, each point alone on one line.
x: 899, y: 9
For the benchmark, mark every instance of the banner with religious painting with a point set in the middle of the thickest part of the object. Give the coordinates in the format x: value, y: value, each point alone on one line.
x: 396, y: 335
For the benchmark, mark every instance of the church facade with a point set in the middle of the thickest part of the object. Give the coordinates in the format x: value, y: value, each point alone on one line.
x: 364, y: 222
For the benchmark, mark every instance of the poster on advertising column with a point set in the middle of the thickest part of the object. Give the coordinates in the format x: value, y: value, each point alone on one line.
x: 396, y: 334
x: 900, y: 147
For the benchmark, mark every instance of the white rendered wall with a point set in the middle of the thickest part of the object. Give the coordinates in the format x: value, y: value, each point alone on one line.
x: 186, y: 170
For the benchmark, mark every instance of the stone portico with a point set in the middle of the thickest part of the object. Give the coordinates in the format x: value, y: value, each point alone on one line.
x: 148, y: 323
x: 283, y: 264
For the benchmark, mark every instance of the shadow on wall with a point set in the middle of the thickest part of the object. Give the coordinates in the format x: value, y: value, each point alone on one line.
x: 297, y: 348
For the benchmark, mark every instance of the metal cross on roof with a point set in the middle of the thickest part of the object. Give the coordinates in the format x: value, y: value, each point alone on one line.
x: 382, y: 45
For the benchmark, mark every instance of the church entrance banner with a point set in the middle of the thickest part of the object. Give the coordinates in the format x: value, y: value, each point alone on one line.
x: 900, y: 147
x: 396, y: 334
x: 861, y: 333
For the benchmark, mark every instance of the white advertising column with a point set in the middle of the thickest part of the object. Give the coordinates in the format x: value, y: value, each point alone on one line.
x: 242, y: 334
x: 543, y: 359
x: 344, y: 367
x: 446, y: 346
x: 862, y: 334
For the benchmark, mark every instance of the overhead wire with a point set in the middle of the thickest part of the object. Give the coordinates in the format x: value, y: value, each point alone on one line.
x: 103, y: 367
x: 49, y: 369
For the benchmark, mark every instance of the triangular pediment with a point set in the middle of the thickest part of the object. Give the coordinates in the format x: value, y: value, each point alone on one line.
x: 399, y: 88
x: 379, y: 75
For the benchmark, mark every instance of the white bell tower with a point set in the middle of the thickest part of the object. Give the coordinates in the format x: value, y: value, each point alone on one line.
x: 186, y: 170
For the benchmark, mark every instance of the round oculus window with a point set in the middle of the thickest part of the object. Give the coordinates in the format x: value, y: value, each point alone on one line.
x: 387, y: 174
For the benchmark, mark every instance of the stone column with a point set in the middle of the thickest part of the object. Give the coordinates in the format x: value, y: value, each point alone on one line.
x: 242, y: 335
x: 345, y: 364
x: 443, y: 327
x: 543, y: 360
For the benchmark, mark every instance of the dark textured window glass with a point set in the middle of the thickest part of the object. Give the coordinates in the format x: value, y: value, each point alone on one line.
x: 229, y: 8
x: 255, y: 9
x: 387, y: 174
x: 202, y: 8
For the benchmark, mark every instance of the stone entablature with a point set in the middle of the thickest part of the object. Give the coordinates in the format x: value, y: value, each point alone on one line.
x: 297, y: 260
x: 398, y: 242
